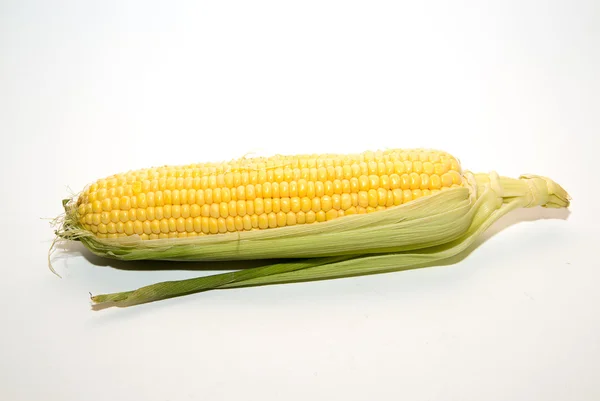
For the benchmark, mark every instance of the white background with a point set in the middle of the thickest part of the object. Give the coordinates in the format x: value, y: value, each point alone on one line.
x: 88, y: 89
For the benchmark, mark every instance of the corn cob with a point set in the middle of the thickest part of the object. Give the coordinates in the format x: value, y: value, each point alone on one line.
x: 247, y: 194
x: 399, y: 204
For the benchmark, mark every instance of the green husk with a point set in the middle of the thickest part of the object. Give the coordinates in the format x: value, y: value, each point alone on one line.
x: 420, y: 233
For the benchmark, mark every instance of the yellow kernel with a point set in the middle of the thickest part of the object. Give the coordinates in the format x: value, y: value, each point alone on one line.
x: 250, y: 192
x: 88, y: 217
x: 200, y: 201
x: 285, y: 204
x: 275, y: 190
x: 125, y: 203
x: 363, y: 199
x: 106, y: 204
x: 150, y: 213
x: 220, y: 209
x: 290, y: 219
x: 302, y: 188
x: 140, y: 200
x: 435, y: 182
x: 225, y: 195
x: 140, y: 214
x: 281, y: 219
x: 381, y: 197
x: 338, y: 187
x: 147, y: 225
x: 424, y: 181
x: 398, y: 196
x: 240, y: 208
x: 428, y: 168
x: 374, y: 181
x: 137, y: 227
x: 319, y: 189
x: 384, y: 181
x: 389, y: 201
x: 215, y: 210
x: 267, y: 190
x: 363, y: 183
x: 311, y: 217
x: 331, y: 214
x: 354, y: 185
x: 231, y: 207
x: 172, y: 224
x: 164, y: 226
x: 150, y: 199
x: 293, y: 189
x: 336, y: 201
x: 272, y: 220
x: 180, y: 224
x: 238, y: 223
x: 310, y: 189
x: 418, y: 166
x: 306, y: 204
x: 250, y: 207
x: 105, y: 217
x: 300, y: 217
x: 217, y: 194
x: 372, y: 165
x: 171, y: 183
x: 320, y: 216
x: 197, y: 224
x: 372, y: 197
x: 194, y: 210
x: 259, y: 207
x: 97, y: 206
x: 456, y: 177
x: 446, y: 180
x: 144, y: 237
x: 263, y: 221
x: 417, y: 193
x: 295, y: 204
x: 415, y: 181
x: 346, y: 201
x: 326, y: 203
x: 155, y: 226
x: 101, y: 194
x: 350, y: 211
x: 284, y: 189
x: 124, y: 216
x: 439, y: 168
x: 208, y: 196
x: 102, y: 228
x: 268, y: 205
x: 275, y: 205
x: 247, y: 220
x: 159, y: 199
x: 205, y: 225
x: 189, y: 225
x: 407, y: 195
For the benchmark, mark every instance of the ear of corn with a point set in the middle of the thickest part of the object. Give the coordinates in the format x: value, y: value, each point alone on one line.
x: 402, y: 209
